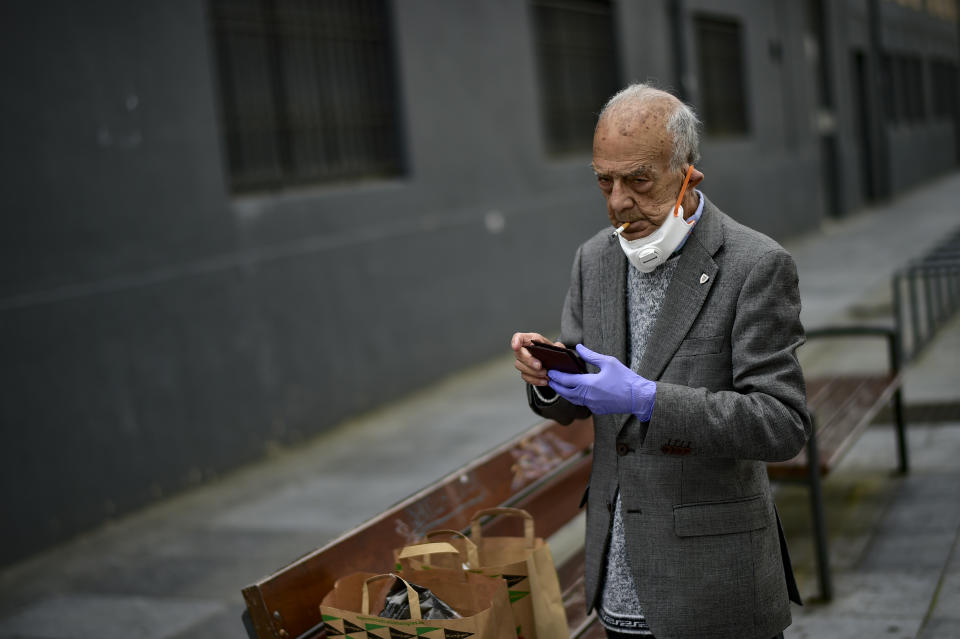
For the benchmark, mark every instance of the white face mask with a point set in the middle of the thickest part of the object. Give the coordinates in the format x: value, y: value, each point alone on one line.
x: 647, y: 253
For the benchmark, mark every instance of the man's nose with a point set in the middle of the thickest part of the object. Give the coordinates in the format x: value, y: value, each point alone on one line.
x: 620, y: 198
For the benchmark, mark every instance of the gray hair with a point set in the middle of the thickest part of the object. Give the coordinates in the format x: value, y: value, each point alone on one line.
x: 683, y: 124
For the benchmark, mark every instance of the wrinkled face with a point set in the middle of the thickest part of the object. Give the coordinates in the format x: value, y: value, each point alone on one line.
x: 631, y: 158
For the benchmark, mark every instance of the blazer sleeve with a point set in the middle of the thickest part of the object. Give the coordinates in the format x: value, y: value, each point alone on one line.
x: 548, y: 404
x: 764, y: 417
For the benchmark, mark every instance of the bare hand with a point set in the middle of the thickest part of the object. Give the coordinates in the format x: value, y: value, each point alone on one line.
x: 531, y: 369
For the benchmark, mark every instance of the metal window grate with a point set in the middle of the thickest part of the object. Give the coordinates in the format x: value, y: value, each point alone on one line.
x: 307, y: 91
x: 578, y: 68
x: 911, y: 88
x: 903, y: 88
x: 943, y: 84
x: 892, y: 107
x: 723, y: 103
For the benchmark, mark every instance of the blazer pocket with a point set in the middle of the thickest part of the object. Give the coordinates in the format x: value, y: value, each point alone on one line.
x: 721, y: 517
x: 700, y: 346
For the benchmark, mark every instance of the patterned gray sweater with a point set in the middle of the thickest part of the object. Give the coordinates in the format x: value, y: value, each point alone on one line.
x: 620, y: 608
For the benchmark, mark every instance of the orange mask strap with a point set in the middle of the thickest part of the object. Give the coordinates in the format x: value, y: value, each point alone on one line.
x: 683, y: 189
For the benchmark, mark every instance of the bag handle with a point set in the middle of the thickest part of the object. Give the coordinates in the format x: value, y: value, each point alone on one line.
x: 407, y: 553
x: 473, y: 559
x: 476, y: 533
x: 412, y: 597
x: 423, y: 550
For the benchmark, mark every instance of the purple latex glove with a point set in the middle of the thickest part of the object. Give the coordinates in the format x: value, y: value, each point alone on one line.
x: 615, y: 389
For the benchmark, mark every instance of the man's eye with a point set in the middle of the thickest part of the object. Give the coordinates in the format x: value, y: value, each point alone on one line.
x: 604, y: 181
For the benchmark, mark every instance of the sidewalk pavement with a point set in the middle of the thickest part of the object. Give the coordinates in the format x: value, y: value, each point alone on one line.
x: 175, y: 570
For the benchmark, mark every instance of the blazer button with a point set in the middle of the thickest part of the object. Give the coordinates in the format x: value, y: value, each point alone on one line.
x: 622, y: 449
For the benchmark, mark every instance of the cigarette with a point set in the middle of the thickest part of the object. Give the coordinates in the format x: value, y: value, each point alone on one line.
x: 620, y: 229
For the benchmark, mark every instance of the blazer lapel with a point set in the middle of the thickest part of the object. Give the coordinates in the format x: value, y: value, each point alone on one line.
x: 613, y: 288
x: 691, y: 283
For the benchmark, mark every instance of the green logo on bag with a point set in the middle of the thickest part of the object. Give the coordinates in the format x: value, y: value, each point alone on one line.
x: 517, y: 595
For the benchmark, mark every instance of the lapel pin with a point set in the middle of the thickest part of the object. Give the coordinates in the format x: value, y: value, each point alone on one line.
x: 704, y: 278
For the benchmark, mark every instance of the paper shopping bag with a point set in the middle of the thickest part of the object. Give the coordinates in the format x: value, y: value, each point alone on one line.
x: 524, y: 562
x: 351, y: 608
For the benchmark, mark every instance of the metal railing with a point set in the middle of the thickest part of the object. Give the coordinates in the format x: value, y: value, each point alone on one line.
x: 926, y: 294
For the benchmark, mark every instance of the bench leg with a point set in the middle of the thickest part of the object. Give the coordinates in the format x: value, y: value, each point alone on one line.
x: 248, y: 624
x: 819, y: 520
x: 901, y: 432
x: 895, y: 356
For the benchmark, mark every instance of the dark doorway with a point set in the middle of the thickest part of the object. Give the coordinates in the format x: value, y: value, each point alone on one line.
x: 861, y: 112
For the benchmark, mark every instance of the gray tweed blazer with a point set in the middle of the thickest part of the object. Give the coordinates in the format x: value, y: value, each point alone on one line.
x: 704, y: 540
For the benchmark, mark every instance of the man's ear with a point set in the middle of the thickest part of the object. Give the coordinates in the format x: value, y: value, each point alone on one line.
x: 696, y: 177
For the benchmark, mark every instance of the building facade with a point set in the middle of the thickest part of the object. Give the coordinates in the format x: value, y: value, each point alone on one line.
x: 227, y: 226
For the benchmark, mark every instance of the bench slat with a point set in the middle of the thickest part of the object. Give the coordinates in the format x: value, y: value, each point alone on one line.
x: 570, y: 574
x: 589, y: 628
x: 864, y: 403
x: 844, y: 406
x: 554, y: 503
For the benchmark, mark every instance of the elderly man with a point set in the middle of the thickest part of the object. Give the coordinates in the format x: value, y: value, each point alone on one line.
x: 689, y: 323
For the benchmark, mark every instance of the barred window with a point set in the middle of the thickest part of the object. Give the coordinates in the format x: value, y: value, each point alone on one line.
x: 892, y: 106
x: 723, y: 103
x: 307, y: 91
x: 913, y: 88
x: 903, y: 88
x: 578, y: 68
x: 943, y: 81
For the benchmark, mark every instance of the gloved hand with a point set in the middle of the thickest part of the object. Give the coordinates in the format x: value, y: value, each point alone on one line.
x: 615, y: 389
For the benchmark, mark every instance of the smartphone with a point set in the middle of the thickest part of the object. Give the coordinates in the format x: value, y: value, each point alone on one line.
x: 558, y: 358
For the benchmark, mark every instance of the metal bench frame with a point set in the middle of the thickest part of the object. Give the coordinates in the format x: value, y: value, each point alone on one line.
x: 842, y: 407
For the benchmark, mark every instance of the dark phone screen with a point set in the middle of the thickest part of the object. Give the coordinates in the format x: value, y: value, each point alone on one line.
x: 557, y: 358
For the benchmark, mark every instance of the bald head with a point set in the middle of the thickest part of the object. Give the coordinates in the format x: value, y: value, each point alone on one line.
x: 657, y: 116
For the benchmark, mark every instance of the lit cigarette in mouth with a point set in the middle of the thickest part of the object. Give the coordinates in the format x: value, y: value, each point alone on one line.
x: 620, y: 229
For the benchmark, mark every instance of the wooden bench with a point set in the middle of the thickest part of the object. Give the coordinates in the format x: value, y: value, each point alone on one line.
x: 544, y: 471
x: 842, y: 406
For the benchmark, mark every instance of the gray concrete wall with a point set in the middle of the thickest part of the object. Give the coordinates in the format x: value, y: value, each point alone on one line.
x: 158, y: 331
x: 126, y: 365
